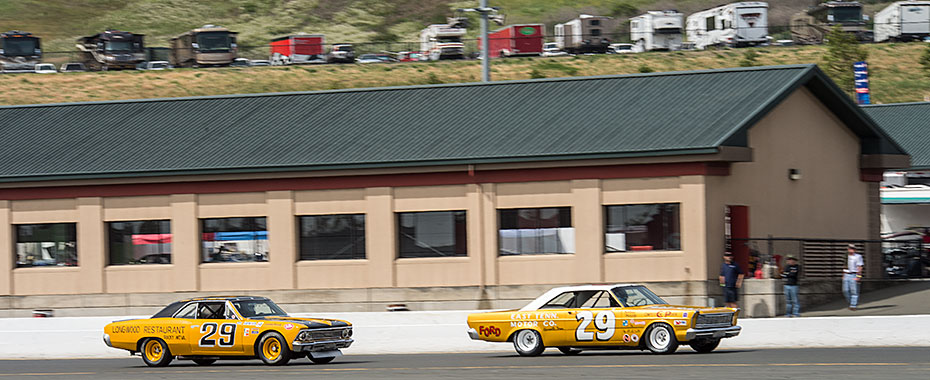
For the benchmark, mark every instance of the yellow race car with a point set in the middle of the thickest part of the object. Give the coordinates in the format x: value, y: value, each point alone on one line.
x: 605, y: 317
x: 211, y: 328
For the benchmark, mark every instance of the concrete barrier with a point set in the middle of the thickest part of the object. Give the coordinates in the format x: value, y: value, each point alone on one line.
x: 444, y: 331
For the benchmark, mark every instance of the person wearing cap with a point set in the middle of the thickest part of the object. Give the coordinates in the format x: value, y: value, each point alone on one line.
x: 790, y: 274
x: 851, y: 276
x: 731, y: 279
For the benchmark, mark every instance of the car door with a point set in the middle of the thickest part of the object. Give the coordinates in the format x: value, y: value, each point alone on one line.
x: 216, y: 330
x: 596, y: 319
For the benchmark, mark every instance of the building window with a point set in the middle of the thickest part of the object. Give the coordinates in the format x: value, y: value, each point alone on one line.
x: 234, y: 240
x: 534, y: 231
x: 53, y: 244
x: 595, y: 22
x: 139, y: 242
x: 595, y: 32
x: 710, y: 23
x: 431, y: 234
x: 332, y: 237
x: 646, y: 227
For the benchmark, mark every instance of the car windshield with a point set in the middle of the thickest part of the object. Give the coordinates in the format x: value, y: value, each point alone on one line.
x: 19, y: 46
x: 214, y: 41
x: 159, y: 65
x: 118, y: 46
x: 637, y: 296
x: 258, y: 308
x: 847, y: 14
x: 169, y: 310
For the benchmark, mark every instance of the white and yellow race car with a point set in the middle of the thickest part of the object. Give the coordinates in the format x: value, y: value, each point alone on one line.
x: 625, y: 316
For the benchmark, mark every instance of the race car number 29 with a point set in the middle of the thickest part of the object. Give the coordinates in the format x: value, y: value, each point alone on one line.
x: 604, y: 322
x: 227, y: 333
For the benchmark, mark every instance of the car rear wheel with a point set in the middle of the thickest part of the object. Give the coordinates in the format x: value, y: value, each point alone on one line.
x: 273, y: 349
x: 660, y: 339
x: 704, y: 345
x: 204, y: 361
x: 569, y: 350
x: 155, y: 353
x: 528, y: 343
x: 320, y: 360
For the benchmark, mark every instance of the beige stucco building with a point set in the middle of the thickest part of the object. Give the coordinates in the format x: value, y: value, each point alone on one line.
x: 560, y: 182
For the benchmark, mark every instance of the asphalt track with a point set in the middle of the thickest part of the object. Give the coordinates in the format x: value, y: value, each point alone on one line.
x: 800, y: 363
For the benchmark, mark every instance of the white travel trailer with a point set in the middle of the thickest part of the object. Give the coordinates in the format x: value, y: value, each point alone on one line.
x: 442, y: 41
x: 903, y: 21
x: 736, y: 24
x: 585, y: 34
x: 657, y: 30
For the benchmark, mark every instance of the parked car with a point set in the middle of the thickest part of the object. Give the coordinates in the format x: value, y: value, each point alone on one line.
x: 157, y: 65
x: 260, y: 62
x: 410, y: 56
x: 905, y: 254
x: 72, y: 67
x: 623, y: 49
x: 375, y: 58
x: 341, y: 53
x: 209, y: 328
x: 551, y: 49
x: 45, y: 68
x: 240, y: 62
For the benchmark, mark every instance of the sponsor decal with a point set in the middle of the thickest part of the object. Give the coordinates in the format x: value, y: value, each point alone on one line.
x: 626, y: 337
x: 634, y: 338
x: 684, y: 315
x: 639, y: 323
x: 524, y: 324
x: 527, y: 31
x: 254, y: 331
x: 246, y: 332
x: 249, y: 323
x: 124, y: 330
x: 679, y: 322
x: 661, y: 314
x: 260, y: 324
x: 488, y: 331
x: 629, y: 314
x: 530, y: 316
x: 163, y: 330
x: 625, y: 323
x: 238, y: 323
x: 288, y: 326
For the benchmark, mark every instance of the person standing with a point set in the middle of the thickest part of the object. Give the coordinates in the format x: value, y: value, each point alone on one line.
x: 790, y: 274
x: 851, y: 276
x: 731, y: 279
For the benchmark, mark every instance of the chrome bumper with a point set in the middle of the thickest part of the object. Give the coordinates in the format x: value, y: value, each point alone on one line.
x: 722, y: 332
x: 473, y: 334
x: 323, y: 345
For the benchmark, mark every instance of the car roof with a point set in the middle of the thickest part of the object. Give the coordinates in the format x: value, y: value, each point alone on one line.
x: 545, y: 297
x: 225, y: 298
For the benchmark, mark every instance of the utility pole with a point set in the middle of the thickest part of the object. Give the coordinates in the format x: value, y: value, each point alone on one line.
x: 487, y: 13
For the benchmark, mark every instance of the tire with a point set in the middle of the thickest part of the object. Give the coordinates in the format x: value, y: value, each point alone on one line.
x: 704, y: 345
x: 204, y: 361
x: 273, y: 349
x: 660, y: 339
x: 569, y: 350
x: 528, y: 343
x: 320, y: 360
x: 155, y: 353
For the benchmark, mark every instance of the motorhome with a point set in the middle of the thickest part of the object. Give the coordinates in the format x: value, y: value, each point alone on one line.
x: 209, y: 45
x: 112, y: 50
x: 811, y: 25
x: 657, y: 30
x: 737, y: 25
x: 19, y: 52
x: 585, y: 34
x: 903, y: 21
x: 442, y: 41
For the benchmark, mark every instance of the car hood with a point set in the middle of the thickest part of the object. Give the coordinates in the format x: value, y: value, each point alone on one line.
x: 313, y: 323
x: 700, y: 309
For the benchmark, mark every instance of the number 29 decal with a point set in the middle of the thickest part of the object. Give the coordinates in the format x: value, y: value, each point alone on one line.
x: 604, y: 323
x: 210, y: 330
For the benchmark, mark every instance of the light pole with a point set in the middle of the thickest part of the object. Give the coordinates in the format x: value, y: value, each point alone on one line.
x: 486, y: 13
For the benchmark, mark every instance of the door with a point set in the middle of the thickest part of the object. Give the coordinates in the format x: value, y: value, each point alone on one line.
x: 596, y: 320
x: 216, y: 331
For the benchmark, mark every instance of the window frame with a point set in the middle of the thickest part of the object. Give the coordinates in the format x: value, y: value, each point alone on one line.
x: 564, y: 219
x: 355, y: 234
x: 669, y: 227
x: 253, y: 223
x: 109, y: 241
x: 455, y: 214
x: 70, y: 232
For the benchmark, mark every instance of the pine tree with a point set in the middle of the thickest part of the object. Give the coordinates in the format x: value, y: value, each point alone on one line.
x: 843, y: 51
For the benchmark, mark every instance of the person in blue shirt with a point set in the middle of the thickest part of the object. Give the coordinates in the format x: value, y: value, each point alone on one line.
x: 731, y: 279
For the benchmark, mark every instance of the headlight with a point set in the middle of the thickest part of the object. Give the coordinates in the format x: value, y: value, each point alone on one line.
x: 346, y: 333
x: 303, y: 335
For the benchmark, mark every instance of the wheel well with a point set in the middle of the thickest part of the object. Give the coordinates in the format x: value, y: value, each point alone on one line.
x: 258, y: 341
x: 514, y: 333
x: 642, y: 339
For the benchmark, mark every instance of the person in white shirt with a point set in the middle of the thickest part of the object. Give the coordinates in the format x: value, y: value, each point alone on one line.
x: 851, y: 276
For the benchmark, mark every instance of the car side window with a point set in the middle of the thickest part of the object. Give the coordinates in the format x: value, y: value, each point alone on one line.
x: 562, y: 301
x: 599, y: 300
x: 188, y: 311
x: 211, y: 310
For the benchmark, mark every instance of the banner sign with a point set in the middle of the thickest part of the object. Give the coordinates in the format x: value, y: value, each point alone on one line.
x: 861, y: 77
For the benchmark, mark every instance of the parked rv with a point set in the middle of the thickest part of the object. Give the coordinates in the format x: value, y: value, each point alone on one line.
x: 442, y: 41
x: 585, y: 34
x: 112, y: 50
x: 736, y: 25
x: 658, y: 30
x: 341, y: 53
x: 19, y: 52
x: 811, y: 25
x: 208, y: 45
x: 516, y: 40
x: 903, y: 21
x: 297, y: 49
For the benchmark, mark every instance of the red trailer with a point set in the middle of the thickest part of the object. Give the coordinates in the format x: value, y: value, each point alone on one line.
x: 514, y: 40
x: 301, y: 48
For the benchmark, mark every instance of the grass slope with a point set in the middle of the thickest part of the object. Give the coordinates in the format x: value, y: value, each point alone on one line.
x: 895, y: 74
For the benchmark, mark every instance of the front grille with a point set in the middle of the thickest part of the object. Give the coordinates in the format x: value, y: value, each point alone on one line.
x: 707, y: 321
x: 324, y: 335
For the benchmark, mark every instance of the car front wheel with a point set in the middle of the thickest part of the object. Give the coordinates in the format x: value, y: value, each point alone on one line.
x: 528, y: 343
x: 660, y: 339
x: 273, y: 349
x: 155, y: 353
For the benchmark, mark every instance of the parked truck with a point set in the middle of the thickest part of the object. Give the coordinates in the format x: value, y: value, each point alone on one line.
x: 19, y: 52
x: 657, y: 30
x: 209, y: 45
x: 516, y: 40
x: 297, y: 49
x: 903, y: 21
x: 737, y: 25
x: 585, y: 34
x: 810, y: 26
x: 442, y: 41
x: 111, y: 50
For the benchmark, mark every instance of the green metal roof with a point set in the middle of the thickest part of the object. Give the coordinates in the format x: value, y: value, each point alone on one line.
x: 535, y: 120
x: 909, y: 125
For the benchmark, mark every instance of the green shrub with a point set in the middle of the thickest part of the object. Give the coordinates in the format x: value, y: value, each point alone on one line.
x: 644, y: 68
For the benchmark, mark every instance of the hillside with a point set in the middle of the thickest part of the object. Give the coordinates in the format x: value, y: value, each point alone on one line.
x: 896, y: 75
